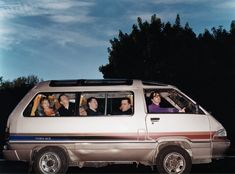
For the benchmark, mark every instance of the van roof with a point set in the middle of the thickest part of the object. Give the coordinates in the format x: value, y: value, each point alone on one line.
x: 90, y: 82
x: 99, y: 82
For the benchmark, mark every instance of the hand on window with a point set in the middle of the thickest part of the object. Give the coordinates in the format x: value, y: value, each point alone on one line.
x: 182, y: 110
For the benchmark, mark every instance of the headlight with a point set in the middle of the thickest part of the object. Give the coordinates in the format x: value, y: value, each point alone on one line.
x: 220, y: 133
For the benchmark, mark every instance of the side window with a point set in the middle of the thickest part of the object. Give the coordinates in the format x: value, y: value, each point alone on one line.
x: 106, y: 103
x: 168, y: 101
x: 120, y: 103
x: 51, y: 104
x: 92, y: 104
x: 159, y: 101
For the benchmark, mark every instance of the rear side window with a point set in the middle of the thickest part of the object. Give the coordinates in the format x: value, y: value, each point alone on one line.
x: 106, y: 103
x: 120, y: 103
x: 52, y: 104
x: 92, y: 104
x: 81, y: 104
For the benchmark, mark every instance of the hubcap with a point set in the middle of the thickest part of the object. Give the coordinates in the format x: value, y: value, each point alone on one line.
x: 49, y: 163
x: 174, y: 163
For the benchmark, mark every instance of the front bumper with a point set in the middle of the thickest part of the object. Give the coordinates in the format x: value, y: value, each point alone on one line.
x: 219, y: 148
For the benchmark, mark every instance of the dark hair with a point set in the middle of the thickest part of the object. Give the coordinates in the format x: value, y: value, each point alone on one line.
x: 63, y: 94
x: 128, y: 99
x: 89, y: 99
x: 153, y: 93
x: 43, y: 98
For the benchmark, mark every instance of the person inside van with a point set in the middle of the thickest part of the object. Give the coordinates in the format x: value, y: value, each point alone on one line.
x: 125, y: 108
x: 67, y: 108
x: 155, y: 105
x: 46, y: 109
x: 35, y: 107
x: 82, y: 111
x: 41, y: 107
x: 92, y: 105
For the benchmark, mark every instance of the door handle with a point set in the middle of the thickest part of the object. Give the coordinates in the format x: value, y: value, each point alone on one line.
x: 155, y: 119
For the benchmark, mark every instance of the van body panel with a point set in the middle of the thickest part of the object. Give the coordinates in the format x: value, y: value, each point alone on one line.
x: 179, y: 127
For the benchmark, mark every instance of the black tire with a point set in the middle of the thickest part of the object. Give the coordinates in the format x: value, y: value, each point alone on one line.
x: 173, y: 159
x: 50, y: 160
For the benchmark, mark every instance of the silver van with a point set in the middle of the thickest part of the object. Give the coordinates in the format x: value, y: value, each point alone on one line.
x: 62, y: 123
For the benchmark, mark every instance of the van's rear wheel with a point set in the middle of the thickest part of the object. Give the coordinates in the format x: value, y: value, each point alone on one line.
x: 50, y: 160
x: 173, y: 159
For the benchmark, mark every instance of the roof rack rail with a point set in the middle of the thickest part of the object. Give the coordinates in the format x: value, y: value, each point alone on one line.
x: 90, y: 82
x: 154, y: 83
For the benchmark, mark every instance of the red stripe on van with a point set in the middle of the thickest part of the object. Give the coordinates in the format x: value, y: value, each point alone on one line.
x: 189, y: 135
x: 128, y: 136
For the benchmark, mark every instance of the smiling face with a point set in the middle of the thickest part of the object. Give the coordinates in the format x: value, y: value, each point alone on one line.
x: 45, y: 104
x: 156, y: 99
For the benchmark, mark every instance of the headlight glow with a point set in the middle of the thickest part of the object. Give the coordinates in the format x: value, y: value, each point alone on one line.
x: 221, y: 133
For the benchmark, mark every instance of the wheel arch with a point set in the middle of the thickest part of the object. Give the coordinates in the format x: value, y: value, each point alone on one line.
x: 58, y: 161
x: 179, y: 160
x: 178, y: 142
x: 39, y: 148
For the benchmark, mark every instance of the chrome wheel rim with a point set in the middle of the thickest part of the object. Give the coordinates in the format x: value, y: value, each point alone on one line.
x: 49, y: 163
x: 174, y: 163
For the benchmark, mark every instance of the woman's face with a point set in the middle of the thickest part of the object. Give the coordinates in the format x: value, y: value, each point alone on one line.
x: 82, y: 112
x: 45, y: 104
x: 156, y: 99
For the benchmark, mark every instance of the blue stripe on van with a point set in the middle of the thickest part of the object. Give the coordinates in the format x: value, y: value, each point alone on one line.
x: 66, y: 138
x: 36, y: 138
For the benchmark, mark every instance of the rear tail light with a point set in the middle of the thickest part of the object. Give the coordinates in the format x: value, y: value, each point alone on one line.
x: 6, y: 137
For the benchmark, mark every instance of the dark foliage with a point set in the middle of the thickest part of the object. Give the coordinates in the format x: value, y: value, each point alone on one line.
x: 202, y: 66
x: 171, y: 53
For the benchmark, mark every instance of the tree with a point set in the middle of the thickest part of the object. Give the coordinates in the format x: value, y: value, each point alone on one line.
x: 171, y: 53
x: 232, y: 27
x: 177, y: 21
x: 152, y: 51
x: 19, y: 82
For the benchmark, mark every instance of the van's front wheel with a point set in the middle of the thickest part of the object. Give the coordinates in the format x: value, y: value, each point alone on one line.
x: 172, y: 160
x: 50, y: 160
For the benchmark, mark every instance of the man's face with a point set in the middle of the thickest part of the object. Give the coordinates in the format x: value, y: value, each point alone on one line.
x: 125, y: 105
x: 93, y: 104
x: 64, y: 100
